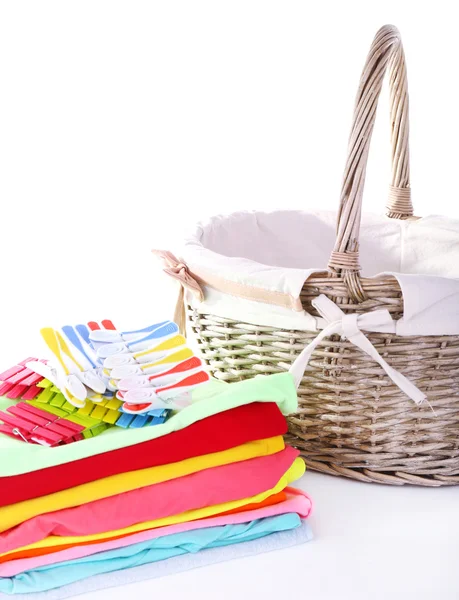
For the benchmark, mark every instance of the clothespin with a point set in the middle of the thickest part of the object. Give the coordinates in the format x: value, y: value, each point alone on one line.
x: 36, y: 426
x: 154, y: 417
x: 143, y: 400
x: 20, y: 381
x: 152, y: 354
x: 79, y: 376
x: 118, y: 343
x: 169, y: 361
x: 168, y: 376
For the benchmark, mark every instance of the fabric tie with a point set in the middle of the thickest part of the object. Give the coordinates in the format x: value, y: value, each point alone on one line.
x: 350, y: 326
x: 179, y: 271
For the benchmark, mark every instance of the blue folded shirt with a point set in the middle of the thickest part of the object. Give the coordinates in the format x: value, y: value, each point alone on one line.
x: 53, y: 576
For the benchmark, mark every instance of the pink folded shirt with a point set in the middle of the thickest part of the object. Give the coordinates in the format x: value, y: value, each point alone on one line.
x: 296, y: 502
x: 205, y: 488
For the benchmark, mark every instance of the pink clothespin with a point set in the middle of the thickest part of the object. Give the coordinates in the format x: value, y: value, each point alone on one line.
x: 20, y: 382
x: 38, y: 426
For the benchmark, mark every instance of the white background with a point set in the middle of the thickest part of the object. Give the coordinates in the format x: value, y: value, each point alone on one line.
x: 124, y: 122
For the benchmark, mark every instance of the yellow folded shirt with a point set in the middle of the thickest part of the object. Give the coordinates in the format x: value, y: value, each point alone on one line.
x: 12, y: 515
x: 294, y: 472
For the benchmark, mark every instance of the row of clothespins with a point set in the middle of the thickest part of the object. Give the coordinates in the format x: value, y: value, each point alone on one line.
x: 102, y: 378
x: 150, y: 377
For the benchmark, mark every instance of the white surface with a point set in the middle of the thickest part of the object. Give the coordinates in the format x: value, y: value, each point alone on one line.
x: 125, y: 121
x: 371, y: 542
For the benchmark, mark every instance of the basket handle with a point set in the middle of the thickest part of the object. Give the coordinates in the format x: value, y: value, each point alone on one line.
x: 386, y: 52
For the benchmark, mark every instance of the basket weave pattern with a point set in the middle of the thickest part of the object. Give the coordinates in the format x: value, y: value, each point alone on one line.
x: 352, y: 419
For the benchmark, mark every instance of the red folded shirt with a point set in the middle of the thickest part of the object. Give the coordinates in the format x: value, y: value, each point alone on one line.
x: 219, y: 432
x: 209, y: 487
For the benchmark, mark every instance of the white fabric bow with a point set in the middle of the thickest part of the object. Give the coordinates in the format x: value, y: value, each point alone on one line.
x: 349, y: 326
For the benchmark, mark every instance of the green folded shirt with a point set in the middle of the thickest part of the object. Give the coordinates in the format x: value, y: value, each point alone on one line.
x: 17, y: 457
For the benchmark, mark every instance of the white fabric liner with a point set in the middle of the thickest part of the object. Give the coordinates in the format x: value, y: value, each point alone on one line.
x: 279, y: 250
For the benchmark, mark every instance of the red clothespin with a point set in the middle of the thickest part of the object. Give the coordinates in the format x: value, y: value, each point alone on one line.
x: 18, y: 380
x: 188, y: 382
x: 74, y: 427
x: 32, y: 392
x: 106, y: 324
x: 28, y: 431
x: 40, y: 417
x: 15, y: 432
x: 10, y: 372
x: 144, y: 399
x: 186, y: 365
x: 38, y: 426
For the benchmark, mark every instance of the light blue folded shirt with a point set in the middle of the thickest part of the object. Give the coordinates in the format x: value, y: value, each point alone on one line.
x: 177, y: 564
x: 49, y: 577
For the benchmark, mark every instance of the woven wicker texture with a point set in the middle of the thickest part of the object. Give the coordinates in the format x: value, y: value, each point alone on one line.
x: 352, y: 420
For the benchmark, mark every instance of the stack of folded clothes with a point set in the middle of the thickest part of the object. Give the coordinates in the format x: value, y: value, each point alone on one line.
x: 126, y: 504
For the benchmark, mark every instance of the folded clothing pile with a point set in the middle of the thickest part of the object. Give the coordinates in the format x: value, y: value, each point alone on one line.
x: 215, y: 474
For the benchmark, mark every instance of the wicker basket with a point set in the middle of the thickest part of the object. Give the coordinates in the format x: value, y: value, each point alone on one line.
x: 352, y: 419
